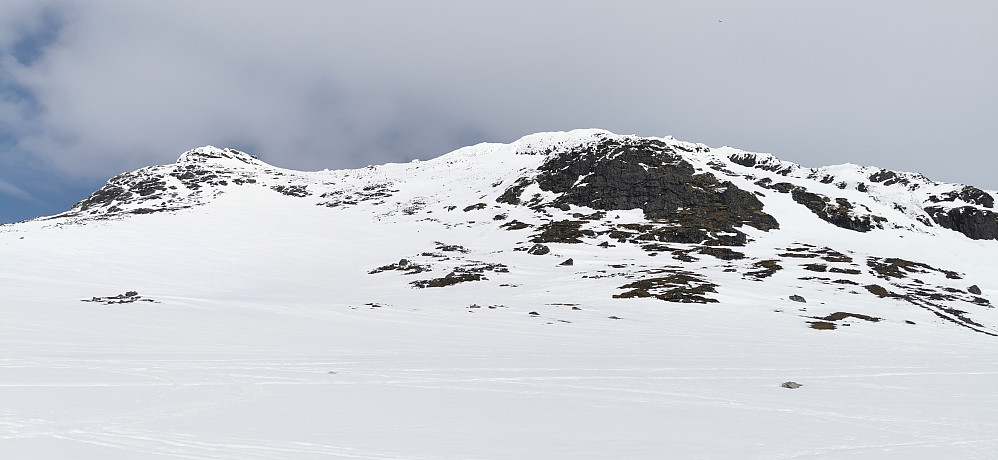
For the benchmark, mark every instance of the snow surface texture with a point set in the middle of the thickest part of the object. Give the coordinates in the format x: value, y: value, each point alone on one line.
x: 221, y: 307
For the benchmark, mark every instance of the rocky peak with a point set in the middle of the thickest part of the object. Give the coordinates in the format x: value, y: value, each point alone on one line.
x: 764, y: 161
x: 197, y: 175
x: 210, y: 155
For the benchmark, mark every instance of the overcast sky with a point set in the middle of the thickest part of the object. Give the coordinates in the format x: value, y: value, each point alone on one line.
x: 90, y: 89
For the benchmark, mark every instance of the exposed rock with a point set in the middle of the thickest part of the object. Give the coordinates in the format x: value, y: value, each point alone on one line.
x: 847, y: 271
x: 403, y: 265
x: 128, y: 297
x: 766, y: 268
x: 797, y: 298
x: 976, y: 223
x: 887, y: 177
x: 840, y: 213
x: 721, y: 253
x: 841, y: 315
x: 680, y: 286
x: 450, y: 279
x: 974, y: 290
x: 972, y: 195
x: 299, y: 191
x: 791, y: 385
x: 451, y: 248
x: 538, y: 250
x: 564, y: 231
x: 763, y: 161
x: 512, y: 194
x: 648, y: 175
x: 879, y: 291
x: 515, y: 225
x: 900, y: 268
x: 568, y: 262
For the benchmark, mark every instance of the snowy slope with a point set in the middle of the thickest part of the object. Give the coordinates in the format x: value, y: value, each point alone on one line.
x: 221, y: 307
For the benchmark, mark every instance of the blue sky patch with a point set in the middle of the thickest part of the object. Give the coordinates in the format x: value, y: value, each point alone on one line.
x: 32, y: 45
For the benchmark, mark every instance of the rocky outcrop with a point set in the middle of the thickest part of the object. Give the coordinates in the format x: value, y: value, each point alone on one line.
x: 839, y: 212
x: 175, y: 186
x: 978, y: 224
x: 128, y: 190
x: 763, y: 161
x: 647, y: 174
x: 972, y: 195
x: 538, y: 250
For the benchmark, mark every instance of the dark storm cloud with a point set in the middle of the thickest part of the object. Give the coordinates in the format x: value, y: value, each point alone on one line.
x: 94, y: 88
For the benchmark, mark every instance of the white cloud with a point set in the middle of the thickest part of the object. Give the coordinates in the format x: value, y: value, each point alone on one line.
x: 15, y: 191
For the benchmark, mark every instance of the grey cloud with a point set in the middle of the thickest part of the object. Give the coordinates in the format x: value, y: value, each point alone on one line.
x: 342, y: 84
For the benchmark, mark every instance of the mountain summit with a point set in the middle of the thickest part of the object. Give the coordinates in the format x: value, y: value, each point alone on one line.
x: 598, y: 170
x: 568, y: 294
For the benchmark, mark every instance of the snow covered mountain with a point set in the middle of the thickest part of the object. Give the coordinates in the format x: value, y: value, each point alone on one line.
x: 579, y: 294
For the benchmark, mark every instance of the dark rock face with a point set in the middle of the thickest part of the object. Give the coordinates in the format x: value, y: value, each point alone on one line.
x: 127, y: 188
x: 651, y: 176
x: 752, y: 160
x: 888, y: 177
x: 839, y: 214
x: 538, y: 250
x: 104, y: 196
x: 978, y: 224
x: 972, y: 195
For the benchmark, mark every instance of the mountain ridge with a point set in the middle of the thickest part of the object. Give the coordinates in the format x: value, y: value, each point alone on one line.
x: 683, y: 200
x: 568, y: 295
x: 961, y: 208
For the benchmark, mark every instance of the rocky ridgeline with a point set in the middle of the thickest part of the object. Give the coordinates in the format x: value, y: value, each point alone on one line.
x: 964, y: 209
x: 196, y: 177
x: 683, y: 203
x: 701, y: 211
